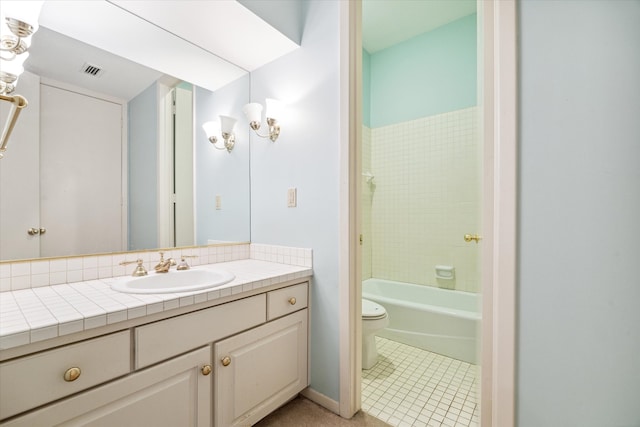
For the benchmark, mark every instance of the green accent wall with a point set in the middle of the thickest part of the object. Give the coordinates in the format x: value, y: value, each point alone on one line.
x: 366, y: 88
x: 429, y: 74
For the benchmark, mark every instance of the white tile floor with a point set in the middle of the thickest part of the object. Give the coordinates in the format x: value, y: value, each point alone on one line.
x: 413, y: 387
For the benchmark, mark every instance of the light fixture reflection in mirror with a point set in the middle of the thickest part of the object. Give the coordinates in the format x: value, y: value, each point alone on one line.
x: 226, y: 127
x: 274, y: 112
x: 18, y: 22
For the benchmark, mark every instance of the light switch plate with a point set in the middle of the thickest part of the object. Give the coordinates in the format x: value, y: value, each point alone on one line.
x: 218, y: 202
x: 292, y: 198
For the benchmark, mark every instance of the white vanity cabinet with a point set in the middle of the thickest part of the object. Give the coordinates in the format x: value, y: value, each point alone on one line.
x: 173, y: 393
x: 228, y: 364
x: 259, y: 370
x: 40, y: 378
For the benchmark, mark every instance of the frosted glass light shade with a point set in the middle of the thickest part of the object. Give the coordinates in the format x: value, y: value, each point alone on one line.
x: 227, y: 124
x: 13, y: 67
x: 275, y: 109
x: 253, y: 112
x: 25, y: 11
x: 211, y: 129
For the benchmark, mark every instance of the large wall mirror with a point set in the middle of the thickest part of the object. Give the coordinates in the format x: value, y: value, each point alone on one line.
x: 110, y: 154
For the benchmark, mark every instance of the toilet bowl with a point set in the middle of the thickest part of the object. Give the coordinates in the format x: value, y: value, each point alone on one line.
x: 374, y: 318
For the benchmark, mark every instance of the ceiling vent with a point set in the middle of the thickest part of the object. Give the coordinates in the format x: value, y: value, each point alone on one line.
x: 92, y: 70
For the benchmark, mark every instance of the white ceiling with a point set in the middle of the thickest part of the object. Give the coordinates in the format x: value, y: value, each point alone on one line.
x: 225, y: 28
x: 62, y: 58
x: 389, y: 22
x: 207, y: 43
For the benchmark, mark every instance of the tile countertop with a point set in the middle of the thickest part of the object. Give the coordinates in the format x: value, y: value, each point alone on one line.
x: 37, y: 314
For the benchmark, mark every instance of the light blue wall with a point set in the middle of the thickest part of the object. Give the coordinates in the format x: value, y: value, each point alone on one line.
x: 579, y: 288
x: 142, y: 170
x: 306, y: 157
x: 429, y: 74
x: 219, y: 172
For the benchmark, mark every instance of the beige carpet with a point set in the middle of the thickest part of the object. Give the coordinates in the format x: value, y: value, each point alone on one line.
x: 302, y: 412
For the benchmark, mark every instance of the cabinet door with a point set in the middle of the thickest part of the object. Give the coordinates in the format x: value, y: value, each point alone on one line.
x: 173, y: 393
x: 259, y: 370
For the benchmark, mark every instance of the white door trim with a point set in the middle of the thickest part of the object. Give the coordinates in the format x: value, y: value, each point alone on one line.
x: 350, y: 263
x: 499, y: 60
x: 499, y: 86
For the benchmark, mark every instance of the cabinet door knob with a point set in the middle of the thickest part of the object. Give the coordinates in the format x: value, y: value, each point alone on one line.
x: 206, y: 370
x: 33, y: 231
x: 72, y: 374
x: 292, y: 300
x: 226, y: 361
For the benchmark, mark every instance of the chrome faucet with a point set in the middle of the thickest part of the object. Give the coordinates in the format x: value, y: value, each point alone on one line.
x: 165, y: 264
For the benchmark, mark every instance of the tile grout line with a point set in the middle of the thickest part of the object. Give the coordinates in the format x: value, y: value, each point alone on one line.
x: 414, y: 387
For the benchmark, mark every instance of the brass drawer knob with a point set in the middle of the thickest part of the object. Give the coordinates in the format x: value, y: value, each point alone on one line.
x: 226, y: 361
x: 292, y: 300
x: 206, y: 370
x: 72, y: 374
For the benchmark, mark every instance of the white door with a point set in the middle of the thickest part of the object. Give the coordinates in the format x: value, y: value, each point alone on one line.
x: 183, y: 168
x: 80, y: 173
x: 19, y: 172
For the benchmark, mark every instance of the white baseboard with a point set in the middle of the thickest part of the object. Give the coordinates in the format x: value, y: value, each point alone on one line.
x: 321, y: 400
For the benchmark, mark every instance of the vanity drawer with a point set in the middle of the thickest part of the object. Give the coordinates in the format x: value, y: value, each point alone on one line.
x: 167, y: 338
x: 286, y: 300
x: 34, y: 380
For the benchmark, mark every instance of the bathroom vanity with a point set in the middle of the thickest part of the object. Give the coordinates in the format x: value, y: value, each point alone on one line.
x: 230, y: 359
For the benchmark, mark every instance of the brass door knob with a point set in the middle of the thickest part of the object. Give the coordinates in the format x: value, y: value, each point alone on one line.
x: 226, y: 361
x: 292, y: 301
x: 206, y: 370
x: 43, y: 230
x: 471, y: 237
x: 33, y: 231
x: 72, y: 374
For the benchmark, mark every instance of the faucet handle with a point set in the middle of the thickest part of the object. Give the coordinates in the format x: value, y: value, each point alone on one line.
x: 139, y: 271
x: 183, y: 264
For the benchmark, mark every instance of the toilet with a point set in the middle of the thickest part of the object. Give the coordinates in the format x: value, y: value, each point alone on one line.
x: 374, y: 318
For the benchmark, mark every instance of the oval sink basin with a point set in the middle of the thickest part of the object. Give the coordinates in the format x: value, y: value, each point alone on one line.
x: 173, y: 281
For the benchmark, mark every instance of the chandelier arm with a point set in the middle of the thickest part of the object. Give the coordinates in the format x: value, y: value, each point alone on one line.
x: 11, y: 57
x: 262, y: 136
x: 218, y: 148
x: 9, y: 43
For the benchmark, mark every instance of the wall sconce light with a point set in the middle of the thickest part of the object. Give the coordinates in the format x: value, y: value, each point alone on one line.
x: 19, y: 20
x: 274, y: 111
x: 225, y: 127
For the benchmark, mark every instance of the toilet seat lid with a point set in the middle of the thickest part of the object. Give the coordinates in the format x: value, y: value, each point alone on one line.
x: 372, y: 310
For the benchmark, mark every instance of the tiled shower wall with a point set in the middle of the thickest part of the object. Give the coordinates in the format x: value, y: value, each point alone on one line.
x: 367, y: 194
x: 424, y: 198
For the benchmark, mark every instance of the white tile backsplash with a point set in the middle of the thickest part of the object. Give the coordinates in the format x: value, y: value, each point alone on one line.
x: 27, y: 274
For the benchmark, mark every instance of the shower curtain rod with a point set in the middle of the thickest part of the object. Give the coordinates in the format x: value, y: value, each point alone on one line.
x: 18, y: 102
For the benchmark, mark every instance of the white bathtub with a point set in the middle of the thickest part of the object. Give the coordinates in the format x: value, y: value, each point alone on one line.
x: 439, y: 320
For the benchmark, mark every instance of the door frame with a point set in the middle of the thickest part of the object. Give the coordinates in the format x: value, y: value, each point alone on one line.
x: 498, y: 89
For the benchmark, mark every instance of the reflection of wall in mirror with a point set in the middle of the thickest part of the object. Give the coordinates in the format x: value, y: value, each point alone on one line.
x: 143, y: 169
x: 19, y: 177
x: 219, y: 173
x: 76, y: 160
